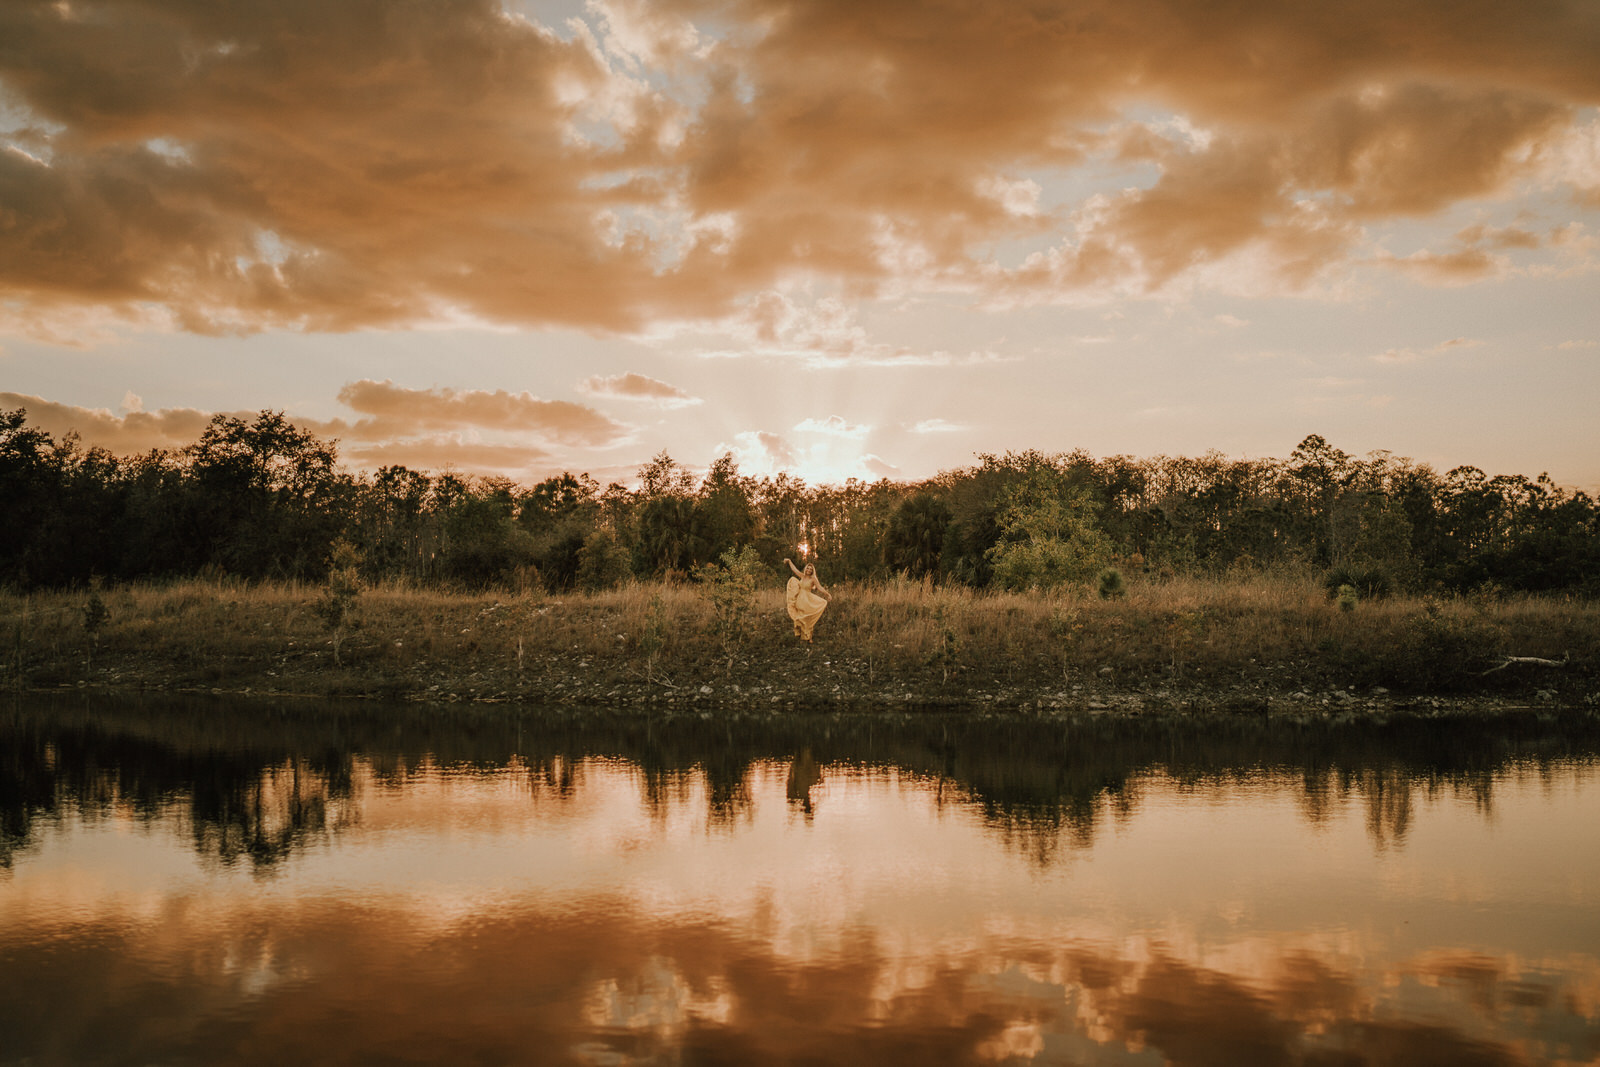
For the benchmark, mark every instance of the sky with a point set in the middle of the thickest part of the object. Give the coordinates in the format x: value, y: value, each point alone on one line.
x: 832, y: 237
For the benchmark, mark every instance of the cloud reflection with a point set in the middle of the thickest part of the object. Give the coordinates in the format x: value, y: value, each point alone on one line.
x: 597, y: 981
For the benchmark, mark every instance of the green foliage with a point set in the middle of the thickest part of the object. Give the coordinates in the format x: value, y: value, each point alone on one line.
x: 666, y: 534
x: 336, y: 606
x: 602, y: 562
x: 914, y: 539
x: 258, y: 498
x: 1365, y: 583
x: 730, y: 588
x: 1440, y: 650
x: 1110, y: 585
x: 1048, y: 536
x: 1348, y: 598
x: 95, y: 612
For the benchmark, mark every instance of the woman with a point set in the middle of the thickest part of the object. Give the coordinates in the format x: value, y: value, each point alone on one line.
x: 807, y: 599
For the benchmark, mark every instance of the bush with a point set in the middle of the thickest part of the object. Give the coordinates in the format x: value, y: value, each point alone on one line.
x: 602, y: 562
x: 1369, y: 583
x: 1438, y: 652
x: 731, y: 590
x: 1111, y: 585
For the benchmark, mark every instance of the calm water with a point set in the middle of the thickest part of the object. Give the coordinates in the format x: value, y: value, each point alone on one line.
x: 208, y: 882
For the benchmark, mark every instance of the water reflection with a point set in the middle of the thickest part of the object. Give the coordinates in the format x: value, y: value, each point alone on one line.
x: 195, y: 882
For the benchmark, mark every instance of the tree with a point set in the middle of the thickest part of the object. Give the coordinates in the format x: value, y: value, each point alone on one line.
x: 665, y: 534
x: 1048, y: 536
x: 664, y: 476
x: 914, y: 540
x: 481, y: 543
x: 265, y: 497
x: 602, y: 562
x: 724, y: 517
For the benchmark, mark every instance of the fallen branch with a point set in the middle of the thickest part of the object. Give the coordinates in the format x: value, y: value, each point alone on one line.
x: 650, y: 680
x: 1535, y: 660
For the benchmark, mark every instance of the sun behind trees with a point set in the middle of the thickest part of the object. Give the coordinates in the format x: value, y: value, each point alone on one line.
x: 262, y: 499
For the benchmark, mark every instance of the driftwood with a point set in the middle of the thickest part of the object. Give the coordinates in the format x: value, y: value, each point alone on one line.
x: 1535, y: 660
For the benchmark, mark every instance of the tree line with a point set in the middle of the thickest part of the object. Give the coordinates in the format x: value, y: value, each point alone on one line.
x: 261, y: 499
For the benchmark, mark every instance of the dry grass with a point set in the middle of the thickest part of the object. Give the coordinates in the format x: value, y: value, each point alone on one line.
x: 1275, y: 631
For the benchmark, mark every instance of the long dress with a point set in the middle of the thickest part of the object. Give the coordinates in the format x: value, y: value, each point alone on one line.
x: 806, y: 606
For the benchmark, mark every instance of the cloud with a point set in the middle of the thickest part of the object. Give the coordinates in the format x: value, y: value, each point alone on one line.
x: 632, y: 386
x: 938, y: 426
x: 879, y: 467
x: 821, y: 333
x: 1461, y: 267
x: 231, y: 168
x: 1567, y: 346
x: 1412, y: 355
x: 759, y: 452
x: 834, y: 426
x: 245, y: 167
x: 134, y: 432
x: 473, y: 430
x: 436, y: 453
x: 395, y: 411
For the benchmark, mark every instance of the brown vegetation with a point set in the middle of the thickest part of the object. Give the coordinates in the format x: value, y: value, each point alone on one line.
x: 1255, y: 639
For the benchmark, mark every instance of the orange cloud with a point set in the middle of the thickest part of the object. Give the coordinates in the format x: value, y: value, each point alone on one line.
x: 633, y: 386
x: 438, y: 453
x: 332, y: 166
x: 396, y: 411
x: 474, y: 430
x: 128, y: 434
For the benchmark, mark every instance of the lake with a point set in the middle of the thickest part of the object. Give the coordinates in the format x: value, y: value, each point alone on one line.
x: 205, y: 880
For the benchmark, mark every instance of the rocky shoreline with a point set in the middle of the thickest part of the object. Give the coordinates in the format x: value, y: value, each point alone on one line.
x: 818, y: 683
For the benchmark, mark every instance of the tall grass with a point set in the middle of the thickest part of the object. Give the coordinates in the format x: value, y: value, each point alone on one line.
x: 1276, y: 630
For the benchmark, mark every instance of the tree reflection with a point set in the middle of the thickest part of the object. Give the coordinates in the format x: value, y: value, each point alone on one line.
x: 261, y: 781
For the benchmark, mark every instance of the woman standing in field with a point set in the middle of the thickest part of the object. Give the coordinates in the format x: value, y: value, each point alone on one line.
x: 807, y: 599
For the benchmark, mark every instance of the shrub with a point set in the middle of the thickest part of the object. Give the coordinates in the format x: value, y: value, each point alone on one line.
x: 1369, y: 583
x: 1440, y: 651
x: 1111, y: 585
x: 731, y: 589
x: 336, y: 606
x: 602, y: 562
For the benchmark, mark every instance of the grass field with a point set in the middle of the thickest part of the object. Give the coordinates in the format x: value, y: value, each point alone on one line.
x: 1271, y: 634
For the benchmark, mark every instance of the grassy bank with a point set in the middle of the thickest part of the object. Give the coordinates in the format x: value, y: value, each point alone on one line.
x: 1257, y: 640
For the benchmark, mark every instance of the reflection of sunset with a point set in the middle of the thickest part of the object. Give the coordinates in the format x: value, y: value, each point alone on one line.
x: 588, y: 902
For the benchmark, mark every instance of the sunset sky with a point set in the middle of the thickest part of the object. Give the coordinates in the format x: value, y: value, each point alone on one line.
x: 844, y: 238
